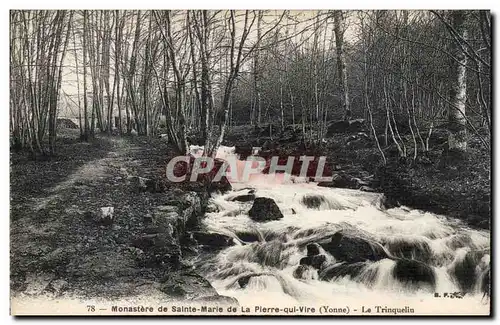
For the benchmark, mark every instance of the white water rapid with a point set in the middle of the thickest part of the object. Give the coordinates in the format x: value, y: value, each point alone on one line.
x: 424, y: 253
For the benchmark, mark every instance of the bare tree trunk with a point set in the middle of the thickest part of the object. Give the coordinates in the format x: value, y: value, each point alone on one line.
x: 339, y: 30
x: 457, y: 140
x: 85, y: 105
x: 118, y: 36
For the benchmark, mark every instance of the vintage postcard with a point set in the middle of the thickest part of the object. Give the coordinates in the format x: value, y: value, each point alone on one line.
x: 250, y: 162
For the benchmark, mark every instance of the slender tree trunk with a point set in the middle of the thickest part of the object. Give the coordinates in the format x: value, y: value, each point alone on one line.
x: 457, y: 139
x: 339, y: 30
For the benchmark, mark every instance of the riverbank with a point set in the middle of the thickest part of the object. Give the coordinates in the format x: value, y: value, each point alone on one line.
x: 62, y: 246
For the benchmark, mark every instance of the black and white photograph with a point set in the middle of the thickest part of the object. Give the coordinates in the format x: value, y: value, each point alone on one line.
x: 250, y: 162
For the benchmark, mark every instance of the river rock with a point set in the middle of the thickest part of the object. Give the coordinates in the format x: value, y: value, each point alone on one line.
x: 244, y: 198
x: 189, y: 205
x: 305, y: 272
x: 315, y: 261
x: 313, y: 201
x: 340, y: 270
x: 486, y: 282
x: 352, y: 249
x: 212, y: 240
x: 414, y: 274
x: 465, y: 270
x: 222, y: 186
x: 265, y: 209
x: 410, y: 249
x: 339, y: 181
x: 312, y: 249
x: 243, y: 281
x: 248, y: 236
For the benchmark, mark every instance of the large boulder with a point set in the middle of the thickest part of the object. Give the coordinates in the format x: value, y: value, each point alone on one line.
x: 316, y: 261
x: 312, y: 249
x: 352, y: 249
x: 212, y: 240
x: 414, y: 274
x: 466, y: 271
x: 341, y: 270
x: 410, y: 249
x: 265, y: 209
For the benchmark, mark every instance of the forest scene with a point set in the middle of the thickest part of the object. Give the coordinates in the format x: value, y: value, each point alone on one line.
x: 399, y: 102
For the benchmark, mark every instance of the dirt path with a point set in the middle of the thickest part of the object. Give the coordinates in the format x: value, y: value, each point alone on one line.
x: 58, y: 248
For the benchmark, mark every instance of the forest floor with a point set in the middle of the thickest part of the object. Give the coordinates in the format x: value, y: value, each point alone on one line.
x: 57, y: 247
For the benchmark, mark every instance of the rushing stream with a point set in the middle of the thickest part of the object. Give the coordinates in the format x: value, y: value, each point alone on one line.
x: 413, y: 254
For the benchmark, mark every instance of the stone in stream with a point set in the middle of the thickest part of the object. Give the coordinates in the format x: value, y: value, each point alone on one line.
x: 212, y: 240
x: 315, y: 261
x: 313, y: 201
x: 244, y: 198
x: 414, y: 274
x: 486, y: 282
x: 339, y: 181
x: 305, y: 272
x: 465, y: 271
x: 340, y: 270
x: 248, y: 236
x: 222, y: 186
x: 415, y: 249
x: 265, y: 209
x: 352, y: 249
x: 243, y: 281
x: 312, y: 249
